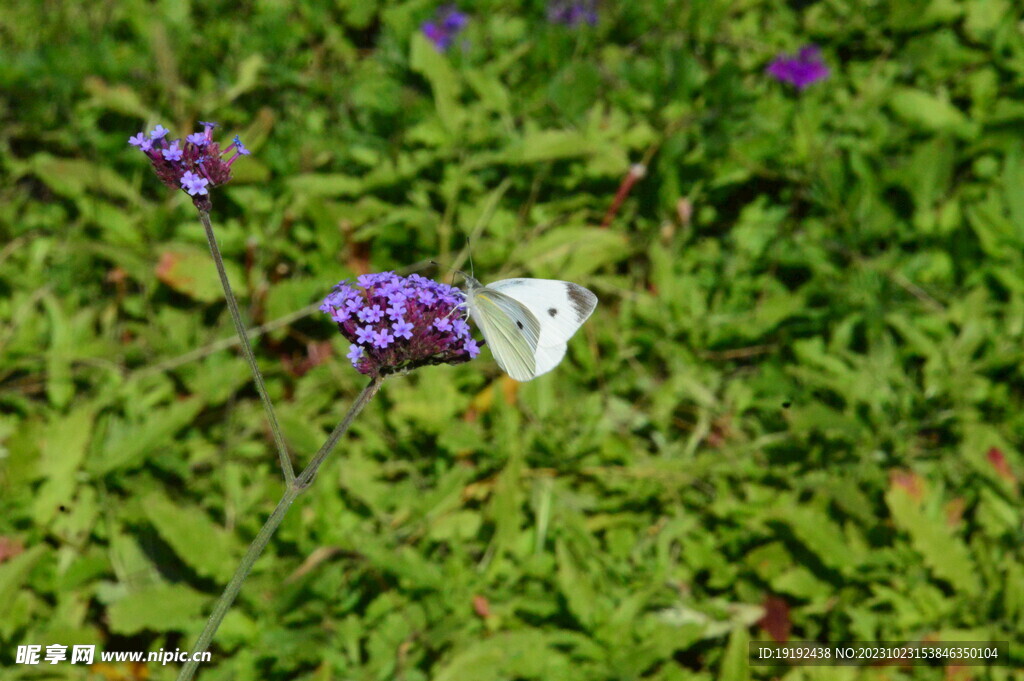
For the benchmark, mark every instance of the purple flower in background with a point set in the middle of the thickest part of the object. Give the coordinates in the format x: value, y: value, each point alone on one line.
x: 424, y: 336
x: 194, y: 166
x: 370, y: 314
x: 141, y: 141
x: 402, y: 329
x: 355, y: 353
x: 445, y: 26
x: 382, y: 339
x: 194, y: 184
x: 239, y: 148
x: 800, y: 70
x: 396, y: 312
x: 364, y: 334
x: 173, y: 152
x: 572, y: 12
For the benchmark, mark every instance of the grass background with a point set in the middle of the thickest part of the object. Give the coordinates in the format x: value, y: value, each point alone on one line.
x: 796, y: 411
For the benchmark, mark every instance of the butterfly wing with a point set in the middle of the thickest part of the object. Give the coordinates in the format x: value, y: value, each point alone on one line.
x: 510, y: 329
x: 560, y: 307
x: 546, y: 359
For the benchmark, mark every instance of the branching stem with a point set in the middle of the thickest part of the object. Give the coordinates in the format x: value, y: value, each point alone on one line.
x: 236, y: 317
x: 294, y: 488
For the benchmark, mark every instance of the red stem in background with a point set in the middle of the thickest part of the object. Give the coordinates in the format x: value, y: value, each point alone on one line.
x: 636, y: 172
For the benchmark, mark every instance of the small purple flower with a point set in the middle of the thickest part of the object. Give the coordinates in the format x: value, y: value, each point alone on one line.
x: 173, y: 152
x: 193, y: 183
x: 402, y: 329
x: 336, y: 298
x: 426, y: 296
x: 382, y: 339
x: 448, y: 22
x: 239, y: 147
x: 460, y: 327
x: 406, y: 342
x: 573, y: 12
x: 364, y: 334
x: 800, y: 70
x: 371, y: 314
x: 195, y: 166
x: 396, y: 312
x: 367, y: 280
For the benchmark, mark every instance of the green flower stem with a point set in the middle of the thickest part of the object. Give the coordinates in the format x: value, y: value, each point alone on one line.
x: 292, y: 491
x: 236, y: 317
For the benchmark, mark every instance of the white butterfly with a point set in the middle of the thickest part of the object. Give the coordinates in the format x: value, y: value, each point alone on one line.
x: 527, y: 322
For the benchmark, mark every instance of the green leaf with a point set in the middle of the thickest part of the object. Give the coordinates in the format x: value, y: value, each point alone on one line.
x: 67, y: 439
x: 425, y: 59
x: 173, y: 607
x: 945, y: 555
x: 931, y: 113
x: 191, y: 271
x: 519, y: 654
x: 119, y: 98
x: 325, y: 185
x: 14, y: 572
x: 59, y: 386
x: 248, y: 77
x: 735, y: 665
x: 820, y: 536
x: 550, y: 145
x: 73, y: 178
x: 129, y: 444
x: 576, y: 587
x: 573, y: 253
x: 207, y: 547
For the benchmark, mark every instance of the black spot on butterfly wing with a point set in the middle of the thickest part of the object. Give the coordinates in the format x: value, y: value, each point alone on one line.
x: 553, y: 311
x: 519, y: 324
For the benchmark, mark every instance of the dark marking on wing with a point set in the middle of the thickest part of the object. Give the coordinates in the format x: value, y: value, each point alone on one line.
x: 553, y: 311
x: 519, y: 324
x: 579, y: 299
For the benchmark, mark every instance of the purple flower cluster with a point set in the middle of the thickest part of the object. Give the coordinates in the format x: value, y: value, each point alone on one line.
x: 572, y: 12
x: 194, y: 166
x: 399, y: 323
x: 804, y: 68
x: 446, y: 25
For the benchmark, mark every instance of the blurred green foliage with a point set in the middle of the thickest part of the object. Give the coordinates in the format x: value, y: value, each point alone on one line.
x: 797, y: 409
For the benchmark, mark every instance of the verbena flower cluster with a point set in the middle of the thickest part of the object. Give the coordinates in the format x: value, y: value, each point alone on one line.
x: 804, y: 68
x: 399, y: 323
x: 195, y: 165
x: 445, y: 27
x: 573, y: 12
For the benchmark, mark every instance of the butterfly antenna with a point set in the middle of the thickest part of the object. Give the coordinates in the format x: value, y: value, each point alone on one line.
x: 451, y: 269
x: 469, y: 251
